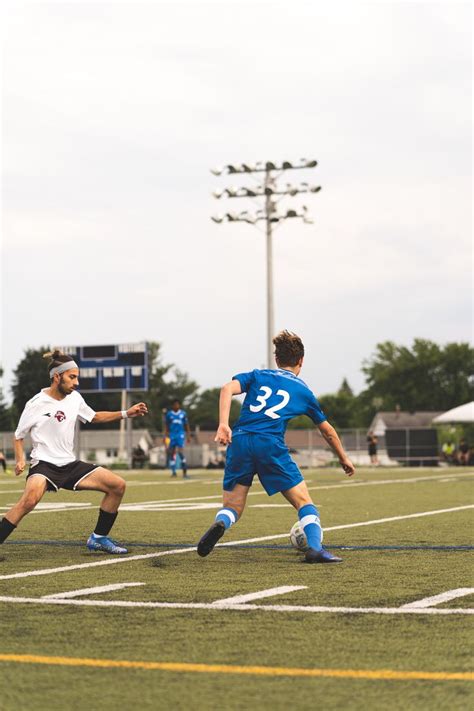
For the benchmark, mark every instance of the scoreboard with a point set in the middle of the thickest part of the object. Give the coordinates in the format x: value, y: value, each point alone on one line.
x: 113, y: 368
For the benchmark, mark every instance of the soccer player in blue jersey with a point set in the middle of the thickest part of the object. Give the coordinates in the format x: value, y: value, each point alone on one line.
x: 177, y: 429
x: 256, y: 444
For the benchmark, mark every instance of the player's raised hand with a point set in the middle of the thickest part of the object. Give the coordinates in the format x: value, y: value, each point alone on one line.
x: 348, y: 467
x: 138, y: 410
x: 223, y: 435
x: 20, y: 467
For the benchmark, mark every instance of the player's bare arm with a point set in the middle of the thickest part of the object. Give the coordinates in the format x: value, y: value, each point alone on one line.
x: 138, y: 410
x: 332, y: 438
x: 20, y: 462
x: 224, y: 433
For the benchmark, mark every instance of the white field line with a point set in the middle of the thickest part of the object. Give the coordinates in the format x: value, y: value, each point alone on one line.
x: 239, y: 599
x: 177, y: 551
x: 438, y: 599
x: 379, y: 482
x: 147, y: 506
x: 179, y: 481
x: 133, y: 507
x: 241, y: 608
x: 89, y: 591
x: 56, y: 509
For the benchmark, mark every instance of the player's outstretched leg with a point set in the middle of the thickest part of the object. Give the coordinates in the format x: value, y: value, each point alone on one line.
x: 35, y: 488
x: 225, y: 519
x: 113, y: 487
x: 232, y: 509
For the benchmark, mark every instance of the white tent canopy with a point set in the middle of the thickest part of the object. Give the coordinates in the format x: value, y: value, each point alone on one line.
x: 462, y: 413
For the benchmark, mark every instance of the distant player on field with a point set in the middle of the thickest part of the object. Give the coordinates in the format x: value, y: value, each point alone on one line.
x: 177, y: 431
x: 256, y: 445
x: 50, y: 417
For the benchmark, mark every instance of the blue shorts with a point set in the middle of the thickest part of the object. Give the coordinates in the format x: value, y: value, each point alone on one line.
x: 177, y: 441
x: 264, y: 455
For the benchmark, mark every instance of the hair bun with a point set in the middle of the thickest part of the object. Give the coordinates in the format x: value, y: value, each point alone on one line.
x: 53, y: 354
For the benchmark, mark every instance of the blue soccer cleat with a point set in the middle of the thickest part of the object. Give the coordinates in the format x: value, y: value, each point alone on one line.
x: 321, y: 556
x: 105, y: 544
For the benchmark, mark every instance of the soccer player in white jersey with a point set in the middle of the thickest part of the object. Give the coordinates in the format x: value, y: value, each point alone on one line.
x: 257, y: 446
x: 50, y: 418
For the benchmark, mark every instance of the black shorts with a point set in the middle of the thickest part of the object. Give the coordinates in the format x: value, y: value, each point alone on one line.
x: 66, y: 477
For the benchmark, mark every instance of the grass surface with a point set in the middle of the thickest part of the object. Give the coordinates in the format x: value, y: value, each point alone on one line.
x: 419, y: 557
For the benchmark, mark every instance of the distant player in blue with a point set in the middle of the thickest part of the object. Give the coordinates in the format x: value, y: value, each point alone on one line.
x: 257, y: 446
x: 177, y: 430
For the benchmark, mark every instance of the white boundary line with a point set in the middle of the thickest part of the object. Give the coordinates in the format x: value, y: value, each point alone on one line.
x: 178, y: 551
x: 438, y: 599
x: 89, y: 591
x: 239, y: 599
x: 241, y: 608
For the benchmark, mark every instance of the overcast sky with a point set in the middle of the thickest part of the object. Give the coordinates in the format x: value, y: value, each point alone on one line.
x: 113, y: 114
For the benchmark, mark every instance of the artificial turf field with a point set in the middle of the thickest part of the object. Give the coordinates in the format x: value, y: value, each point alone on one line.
x: 300, y: 644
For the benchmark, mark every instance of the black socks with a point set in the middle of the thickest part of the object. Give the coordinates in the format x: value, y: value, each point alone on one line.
x: 104, y: 523
x: 5, y: 529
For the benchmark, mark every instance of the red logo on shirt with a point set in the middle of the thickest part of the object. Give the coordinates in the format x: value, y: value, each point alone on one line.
x: 60, y: 416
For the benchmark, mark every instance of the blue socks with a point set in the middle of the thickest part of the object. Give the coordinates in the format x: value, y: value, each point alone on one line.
x: 309, y: 520
x: 227, y: 516
x: 173, y: 462
x: 173, y: 465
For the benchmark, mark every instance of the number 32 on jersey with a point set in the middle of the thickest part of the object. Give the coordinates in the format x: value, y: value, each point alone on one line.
x: 263, y: 399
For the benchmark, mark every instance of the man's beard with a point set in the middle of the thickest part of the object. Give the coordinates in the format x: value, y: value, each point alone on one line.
x: 62, y: 389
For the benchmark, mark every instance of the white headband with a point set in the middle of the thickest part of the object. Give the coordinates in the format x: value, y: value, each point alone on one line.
x: 63, y: 367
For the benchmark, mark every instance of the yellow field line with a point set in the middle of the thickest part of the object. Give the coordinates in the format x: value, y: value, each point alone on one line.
x: 231, y: 669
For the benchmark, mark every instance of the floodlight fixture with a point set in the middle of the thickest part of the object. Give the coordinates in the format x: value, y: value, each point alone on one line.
x: 264, y: 167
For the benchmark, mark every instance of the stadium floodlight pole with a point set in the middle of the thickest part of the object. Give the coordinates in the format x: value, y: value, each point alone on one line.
x: 269, y: 209
x: 269, y: 214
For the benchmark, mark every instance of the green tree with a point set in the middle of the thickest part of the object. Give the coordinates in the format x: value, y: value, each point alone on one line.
x: 166, y: 383
x: 424, y: 377
x: 345, y: 389
x: 205, y: 411
x: 30, y: 376
x: 341, y: 407
x: 6, y: 420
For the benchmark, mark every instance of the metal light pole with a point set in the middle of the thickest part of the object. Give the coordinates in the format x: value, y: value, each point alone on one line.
x: 269, y: 208
x: 269, y: 214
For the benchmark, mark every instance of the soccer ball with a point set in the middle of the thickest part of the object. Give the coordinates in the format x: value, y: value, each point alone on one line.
x: 298, y: 538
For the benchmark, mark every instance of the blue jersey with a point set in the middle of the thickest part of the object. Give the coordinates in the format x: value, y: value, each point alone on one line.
x: 273, y: 397
x: 176, y: 422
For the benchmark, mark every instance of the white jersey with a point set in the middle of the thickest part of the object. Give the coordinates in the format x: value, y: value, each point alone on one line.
x: 51, y: 424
